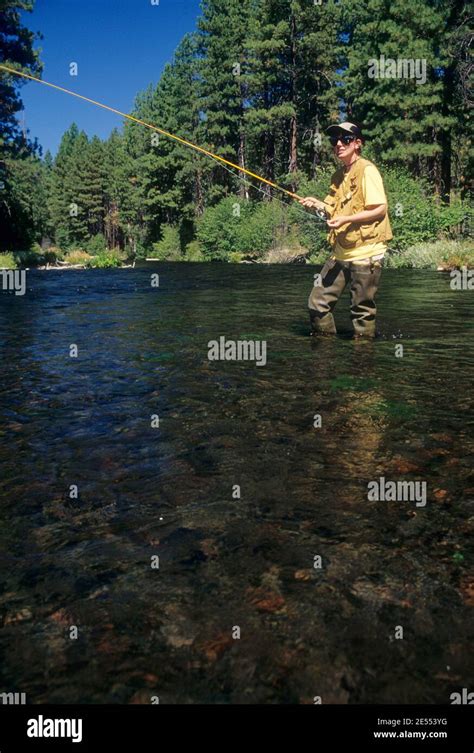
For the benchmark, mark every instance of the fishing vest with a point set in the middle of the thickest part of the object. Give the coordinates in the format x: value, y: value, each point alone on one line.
x: 349, y: 199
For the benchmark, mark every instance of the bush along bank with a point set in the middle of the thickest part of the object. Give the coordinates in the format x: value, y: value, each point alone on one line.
x: 427, y: 234
x: 92, y: 255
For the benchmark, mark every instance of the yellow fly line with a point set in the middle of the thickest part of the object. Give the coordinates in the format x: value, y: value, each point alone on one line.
x: 152, y: 127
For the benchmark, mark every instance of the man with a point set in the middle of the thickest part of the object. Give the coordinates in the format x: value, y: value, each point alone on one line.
x: 359, y: 229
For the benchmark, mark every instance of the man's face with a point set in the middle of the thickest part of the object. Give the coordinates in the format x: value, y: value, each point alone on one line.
x: 344, y: 151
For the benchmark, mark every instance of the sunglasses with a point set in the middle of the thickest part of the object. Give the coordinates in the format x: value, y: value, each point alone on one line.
x: 345, y: 139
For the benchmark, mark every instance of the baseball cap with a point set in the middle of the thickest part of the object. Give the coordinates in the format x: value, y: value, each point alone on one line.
x: 345, y: 127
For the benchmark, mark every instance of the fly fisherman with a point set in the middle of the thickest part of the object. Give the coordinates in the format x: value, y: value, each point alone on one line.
x: 359, y: 229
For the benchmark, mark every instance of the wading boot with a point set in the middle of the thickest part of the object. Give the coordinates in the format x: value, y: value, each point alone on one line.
x: 321, y: 325
x: 363, y: 328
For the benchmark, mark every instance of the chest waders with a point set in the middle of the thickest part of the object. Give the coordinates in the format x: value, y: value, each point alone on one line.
x: 364, y: 278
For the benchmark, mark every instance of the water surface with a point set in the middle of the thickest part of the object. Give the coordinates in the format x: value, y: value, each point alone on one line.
x: 226, y: 562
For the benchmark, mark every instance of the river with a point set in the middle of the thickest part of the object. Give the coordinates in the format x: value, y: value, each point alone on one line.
x: 182, y: 529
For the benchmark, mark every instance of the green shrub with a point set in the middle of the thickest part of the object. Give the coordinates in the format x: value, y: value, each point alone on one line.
x: 107, y: 259
x: 53, y: 254
x: 441, y: 253
x: 414, y: 214
x: 193, y: 252
x: 96, y: 245
x: 77, y: 256
x: 36, y: 256
x: 31, y: 257
x: 220, y: 231
x: 36, y: 248
x: 169, y: 247
x: 137, y: 251
x: 102, y: 261
x: 61, y: 237
x: 456, y: 218
x: 458, y: 259
x: 319, y: 257
x: 7, y: 261
x: 234, y: 228
x: 266, y: 229
x: 312, y: 232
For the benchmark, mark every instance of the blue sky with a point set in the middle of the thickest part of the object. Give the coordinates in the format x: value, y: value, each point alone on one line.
x: 120, y: 46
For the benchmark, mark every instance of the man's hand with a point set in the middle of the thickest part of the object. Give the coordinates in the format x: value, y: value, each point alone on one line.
x: 311, y: 203
x: 339, y: 221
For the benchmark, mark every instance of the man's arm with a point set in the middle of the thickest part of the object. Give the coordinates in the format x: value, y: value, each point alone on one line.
x: 373, y: 212
x: 313, y: 203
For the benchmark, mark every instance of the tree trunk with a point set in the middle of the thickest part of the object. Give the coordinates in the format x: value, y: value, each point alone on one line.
x: 243, y: 190
x: 448, y: 96
x: 199, y: 197
x: 268, y: 149
x: 293, y: 159
x: 269, y: 159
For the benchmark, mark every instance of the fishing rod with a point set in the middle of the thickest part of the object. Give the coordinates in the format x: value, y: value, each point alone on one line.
x: 319, y: 213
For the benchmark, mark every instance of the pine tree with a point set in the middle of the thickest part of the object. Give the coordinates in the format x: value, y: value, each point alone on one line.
x: 46, y: 180
x: 223, y: 33
x: 18, y: 159
x: 25, y: 218
x: 169, y: 174
x: 293, y: 59
x: 316, y: 95
x: 16, y: 51
x: 115, y: 190
x: 93, y: 185
x: 456, y: 98
x: 77, y: 202
x: 400, y: 105
x: 61, y: 196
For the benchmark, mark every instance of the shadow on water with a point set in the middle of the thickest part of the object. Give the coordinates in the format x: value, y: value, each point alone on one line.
x: 227, y: 562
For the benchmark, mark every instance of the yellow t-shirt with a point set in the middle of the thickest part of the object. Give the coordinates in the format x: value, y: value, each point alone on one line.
x: 374, y: 193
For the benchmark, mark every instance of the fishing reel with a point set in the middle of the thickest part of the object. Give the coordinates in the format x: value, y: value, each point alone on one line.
x: 321, y: 214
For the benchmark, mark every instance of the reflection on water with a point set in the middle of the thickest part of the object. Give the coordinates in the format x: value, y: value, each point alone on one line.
x: 170, y: 491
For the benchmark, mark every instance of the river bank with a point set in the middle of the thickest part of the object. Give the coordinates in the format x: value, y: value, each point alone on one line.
x: 441, y: 256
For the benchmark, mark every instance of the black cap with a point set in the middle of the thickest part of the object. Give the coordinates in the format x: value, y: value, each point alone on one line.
x: 346, y: 127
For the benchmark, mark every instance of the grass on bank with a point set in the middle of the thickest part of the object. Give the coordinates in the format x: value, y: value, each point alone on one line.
x: 54, y: 256
x: 447, y: 254
x: 7, y: 261
x: 441, y: 254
